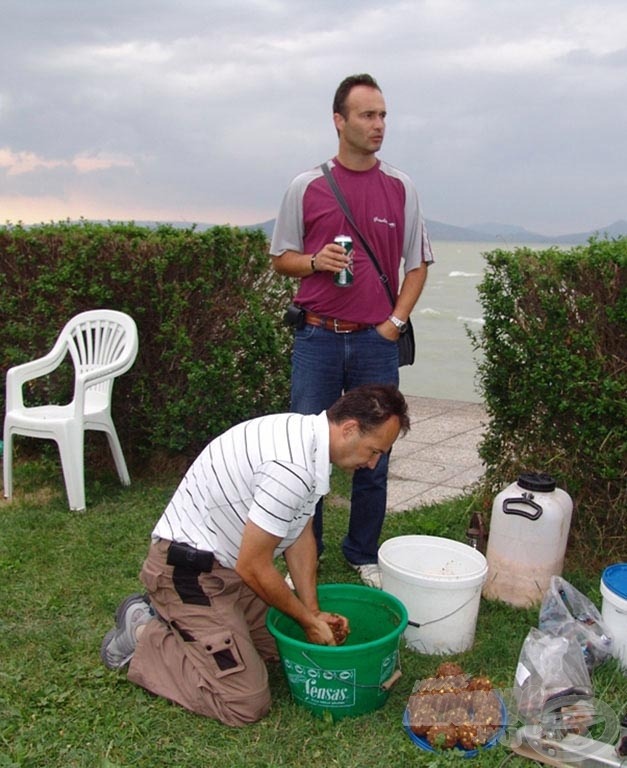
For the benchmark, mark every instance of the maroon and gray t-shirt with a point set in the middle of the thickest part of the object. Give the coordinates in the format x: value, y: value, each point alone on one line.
x: 385, y: 205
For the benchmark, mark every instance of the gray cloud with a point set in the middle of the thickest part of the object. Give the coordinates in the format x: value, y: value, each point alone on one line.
x: 203, y: 111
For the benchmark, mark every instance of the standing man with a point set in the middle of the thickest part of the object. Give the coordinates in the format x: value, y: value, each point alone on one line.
x: 199, y: 636
x: 348, y: 334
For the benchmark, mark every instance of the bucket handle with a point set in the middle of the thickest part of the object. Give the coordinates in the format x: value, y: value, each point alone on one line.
x: 392, y: 680
x: 537, y: 509
x: 447, y: 616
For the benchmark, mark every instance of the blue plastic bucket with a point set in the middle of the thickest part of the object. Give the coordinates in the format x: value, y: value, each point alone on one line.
x: 614, y: 608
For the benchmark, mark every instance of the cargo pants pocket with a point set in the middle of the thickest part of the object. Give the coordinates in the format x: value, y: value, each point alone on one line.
x: 222, y: 654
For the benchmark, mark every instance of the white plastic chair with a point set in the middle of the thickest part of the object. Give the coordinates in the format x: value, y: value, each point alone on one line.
x: 103, y: 344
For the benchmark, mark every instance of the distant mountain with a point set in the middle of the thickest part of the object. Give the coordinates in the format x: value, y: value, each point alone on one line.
x: 516, y: 234
x: 505, y: 234
x: 616, y: 229
x: 267, y: 226
x: 508, y: 233
x: 440, y: 231
x: 437, y: 231
x: 498, y: 233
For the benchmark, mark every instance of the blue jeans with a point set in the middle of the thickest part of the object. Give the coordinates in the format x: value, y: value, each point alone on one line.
x: 324, y: 365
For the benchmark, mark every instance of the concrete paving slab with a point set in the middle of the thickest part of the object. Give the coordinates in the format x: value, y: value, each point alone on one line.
x: 438, y: 458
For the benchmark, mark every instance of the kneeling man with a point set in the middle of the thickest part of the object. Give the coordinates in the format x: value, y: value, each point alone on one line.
x: 198, y: 638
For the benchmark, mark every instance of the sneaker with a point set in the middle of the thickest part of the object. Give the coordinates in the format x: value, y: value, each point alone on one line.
x: 118, y: 645
x: 370, y: 574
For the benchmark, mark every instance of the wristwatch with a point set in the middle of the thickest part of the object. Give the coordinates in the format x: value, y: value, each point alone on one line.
x: 400, y: 324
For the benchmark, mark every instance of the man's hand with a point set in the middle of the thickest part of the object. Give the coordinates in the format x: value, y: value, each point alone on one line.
x: 339, y: 627
x: 388, y: 330
x: 331, y: 258
x: 321, y: 632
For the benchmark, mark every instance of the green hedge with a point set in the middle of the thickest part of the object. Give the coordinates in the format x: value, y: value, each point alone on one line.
x: 553, y: 376
x: 212, y: 349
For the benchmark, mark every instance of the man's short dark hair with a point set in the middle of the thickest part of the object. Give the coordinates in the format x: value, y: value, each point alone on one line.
x: 346, y: 86
x: 371, y: 405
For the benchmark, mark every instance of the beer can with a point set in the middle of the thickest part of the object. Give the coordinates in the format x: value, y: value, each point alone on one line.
x: 344, y: 278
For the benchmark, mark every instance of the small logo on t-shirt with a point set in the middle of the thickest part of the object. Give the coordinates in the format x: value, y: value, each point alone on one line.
x: 378, y: 220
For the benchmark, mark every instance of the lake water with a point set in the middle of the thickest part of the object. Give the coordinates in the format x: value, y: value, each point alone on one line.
x: 445, y: 366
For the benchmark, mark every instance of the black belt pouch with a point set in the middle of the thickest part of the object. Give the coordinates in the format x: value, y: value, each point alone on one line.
x: 294, y: 317
x: 184, y: 556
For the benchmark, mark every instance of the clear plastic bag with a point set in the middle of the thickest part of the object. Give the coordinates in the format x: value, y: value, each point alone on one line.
x: 565, y: 612
x: 549, y: 669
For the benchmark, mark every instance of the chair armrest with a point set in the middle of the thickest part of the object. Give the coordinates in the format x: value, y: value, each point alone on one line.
x: 103, y: 373
x: 100, y: 375
x: 18, y: 375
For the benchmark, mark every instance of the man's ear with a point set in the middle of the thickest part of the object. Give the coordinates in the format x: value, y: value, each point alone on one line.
x: 338, y: 120
x: 349, y: 428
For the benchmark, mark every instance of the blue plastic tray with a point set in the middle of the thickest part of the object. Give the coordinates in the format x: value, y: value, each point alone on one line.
x: 424, y: 744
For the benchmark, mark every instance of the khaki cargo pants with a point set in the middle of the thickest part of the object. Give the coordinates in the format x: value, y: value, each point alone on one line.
x: 208, y: 649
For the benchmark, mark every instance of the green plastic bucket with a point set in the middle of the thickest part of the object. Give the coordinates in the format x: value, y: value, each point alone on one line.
x: 351, y: 679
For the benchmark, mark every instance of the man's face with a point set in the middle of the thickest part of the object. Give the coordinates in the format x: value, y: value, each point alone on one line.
x: 363, y: 128
x: 356, y: 450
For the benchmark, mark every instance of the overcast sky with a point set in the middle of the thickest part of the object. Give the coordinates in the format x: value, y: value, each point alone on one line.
x: 512, y: 111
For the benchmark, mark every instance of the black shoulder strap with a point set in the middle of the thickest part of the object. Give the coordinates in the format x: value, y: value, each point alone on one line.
x: 347, y: 212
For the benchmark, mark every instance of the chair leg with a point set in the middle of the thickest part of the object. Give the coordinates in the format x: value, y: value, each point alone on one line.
x: 71, y: 449
x: 7, y: 464
x: 118, y: 455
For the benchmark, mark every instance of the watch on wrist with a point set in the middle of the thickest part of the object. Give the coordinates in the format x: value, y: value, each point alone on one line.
x: 400, y: 324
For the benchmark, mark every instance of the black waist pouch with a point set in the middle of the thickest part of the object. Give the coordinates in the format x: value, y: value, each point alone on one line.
x: 294, y: 317
x: 407, y: 346
x: 184, y: 556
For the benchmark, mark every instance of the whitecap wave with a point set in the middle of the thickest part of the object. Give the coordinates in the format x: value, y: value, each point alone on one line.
x: 476, y: 320
x: 430, y: 311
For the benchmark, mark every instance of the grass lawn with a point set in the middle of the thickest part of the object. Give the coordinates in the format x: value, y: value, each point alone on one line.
x: 64, y: 573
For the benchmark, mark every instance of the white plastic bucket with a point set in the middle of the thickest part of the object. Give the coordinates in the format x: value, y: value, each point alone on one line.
x: 614, y: 608
x: 439, y: 581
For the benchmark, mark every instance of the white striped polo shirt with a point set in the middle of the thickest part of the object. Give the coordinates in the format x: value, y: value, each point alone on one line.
x: 271, y: 470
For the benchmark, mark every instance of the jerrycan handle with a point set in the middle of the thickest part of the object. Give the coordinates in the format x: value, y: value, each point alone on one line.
x: 525, y: 499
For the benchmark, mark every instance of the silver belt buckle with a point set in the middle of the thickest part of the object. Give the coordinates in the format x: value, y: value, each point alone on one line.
x: 336, y: 329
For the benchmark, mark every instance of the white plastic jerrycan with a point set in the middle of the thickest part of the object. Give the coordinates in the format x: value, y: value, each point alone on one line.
x: 527, y: 539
